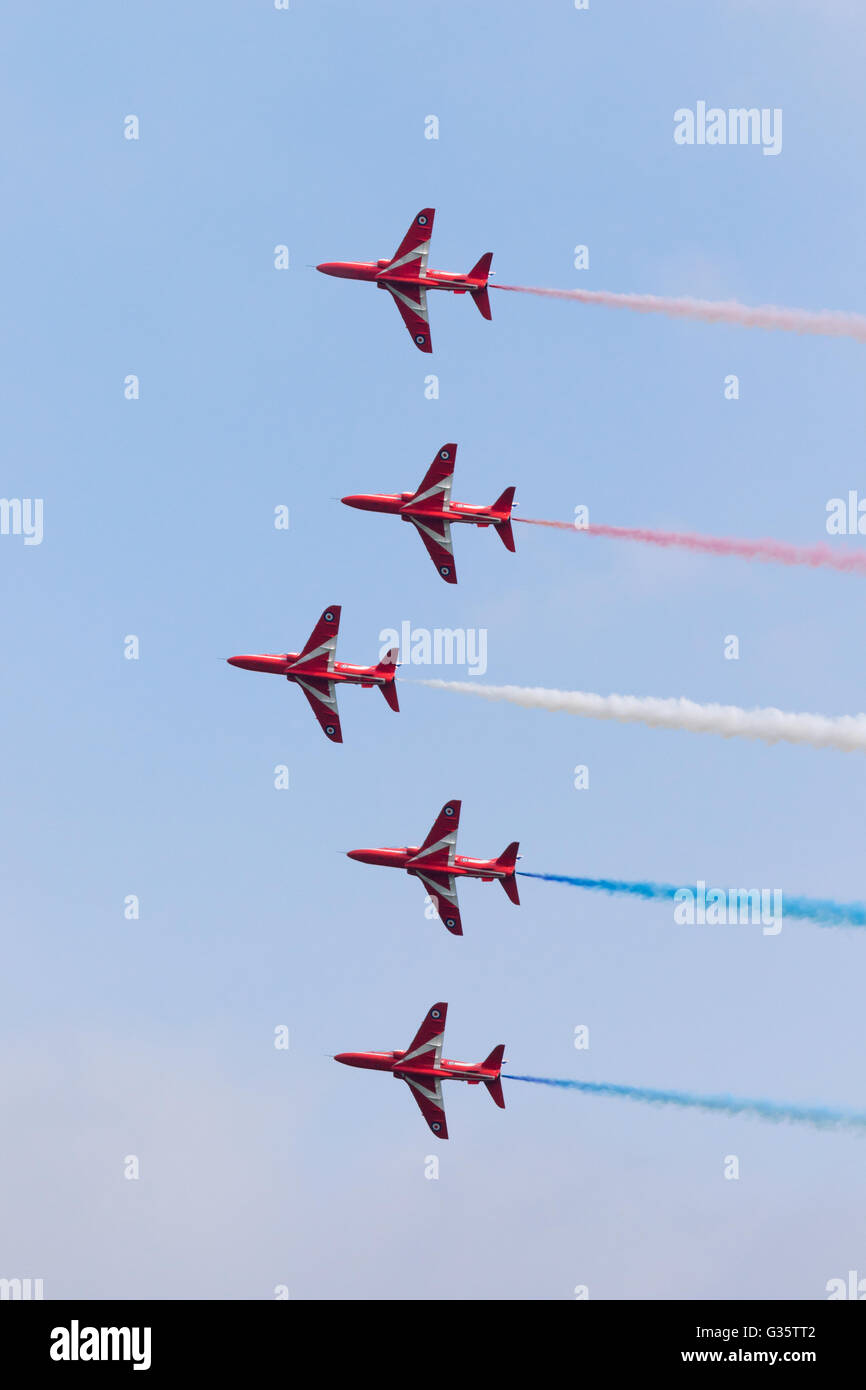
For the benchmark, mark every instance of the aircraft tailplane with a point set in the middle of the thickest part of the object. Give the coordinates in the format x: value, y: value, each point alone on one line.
x: 495, y: 1089
x: 390, y: 693
x: 482, y: 299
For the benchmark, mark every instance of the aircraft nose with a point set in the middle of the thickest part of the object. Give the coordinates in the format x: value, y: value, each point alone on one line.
x: 363, y: 856
x: 353, y: 501
x: 328, y: 268
x: 343, y: 1057
x: 247, y: 663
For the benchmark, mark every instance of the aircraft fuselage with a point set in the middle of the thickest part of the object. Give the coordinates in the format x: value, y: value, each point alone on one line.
x: 400, y: 504
x: 376, y: 271
x: 461, y: 866
x: 447, y: 1070
x: 281, y: 665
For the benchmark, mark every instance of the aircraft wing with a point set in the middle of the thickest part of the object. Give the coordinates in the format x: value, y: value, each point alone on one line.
x: 425, y: 1049
x: 322, y: 695
x: 411, y: 300
x: 321, y: 645
x: 441, y: 843
x: 428, y: 1094
x: 442, y: 836
x: 436, y: 535
x: 435, y: 486
x: 410, y: 258
x: 442, y: 888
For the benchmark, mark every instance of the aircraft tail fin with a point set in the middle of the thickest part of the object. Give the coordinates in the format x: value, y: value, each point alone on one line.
x: 507, y: 860
x: 494, y: 1063
x: 481, y: 268
x: 387, y: 667
x: 504, y: 503
x: 508, y: 857
x: 481, y: 271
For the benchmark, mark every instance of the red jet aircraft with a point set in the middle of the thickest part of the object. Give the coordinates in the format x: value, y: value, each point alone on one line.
x: 318, y: 674
x: 407, y: 277
x: 431, y: 511
x: 423, y: 1068
x: 438, y: 865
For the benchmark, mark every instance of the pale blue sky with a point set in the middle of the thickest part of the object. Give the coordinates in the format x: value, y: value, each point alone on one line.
x: 155, y: 777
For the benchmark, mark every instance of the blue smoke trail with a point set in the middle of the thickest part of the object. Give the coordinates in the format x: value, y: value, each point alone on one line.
x: 818, y: 1116
x: 823, y: 911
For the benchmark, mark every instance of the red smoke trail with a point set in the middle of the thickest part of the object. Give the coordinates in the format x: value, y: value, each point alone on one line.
x: 833, y: 323
x: 771, y: 552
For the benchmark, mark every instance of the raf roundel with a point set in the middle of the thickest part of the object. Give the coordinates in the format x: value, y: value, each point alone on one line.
x: 330, y: 730
x: 449, y: 922
x: 420, y: 338
x: 444, y: 455
x: 435, y: 1125
x: 329, y: 617
x: 434, y: 1013
x: 445, y: 569
x: 422, y: 220
x: 449, y: 810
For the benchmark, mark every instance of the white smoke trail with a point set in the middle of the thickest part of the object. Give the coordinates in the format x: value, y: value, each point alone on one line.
x: 845, y: 732
x: 833, y: 323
